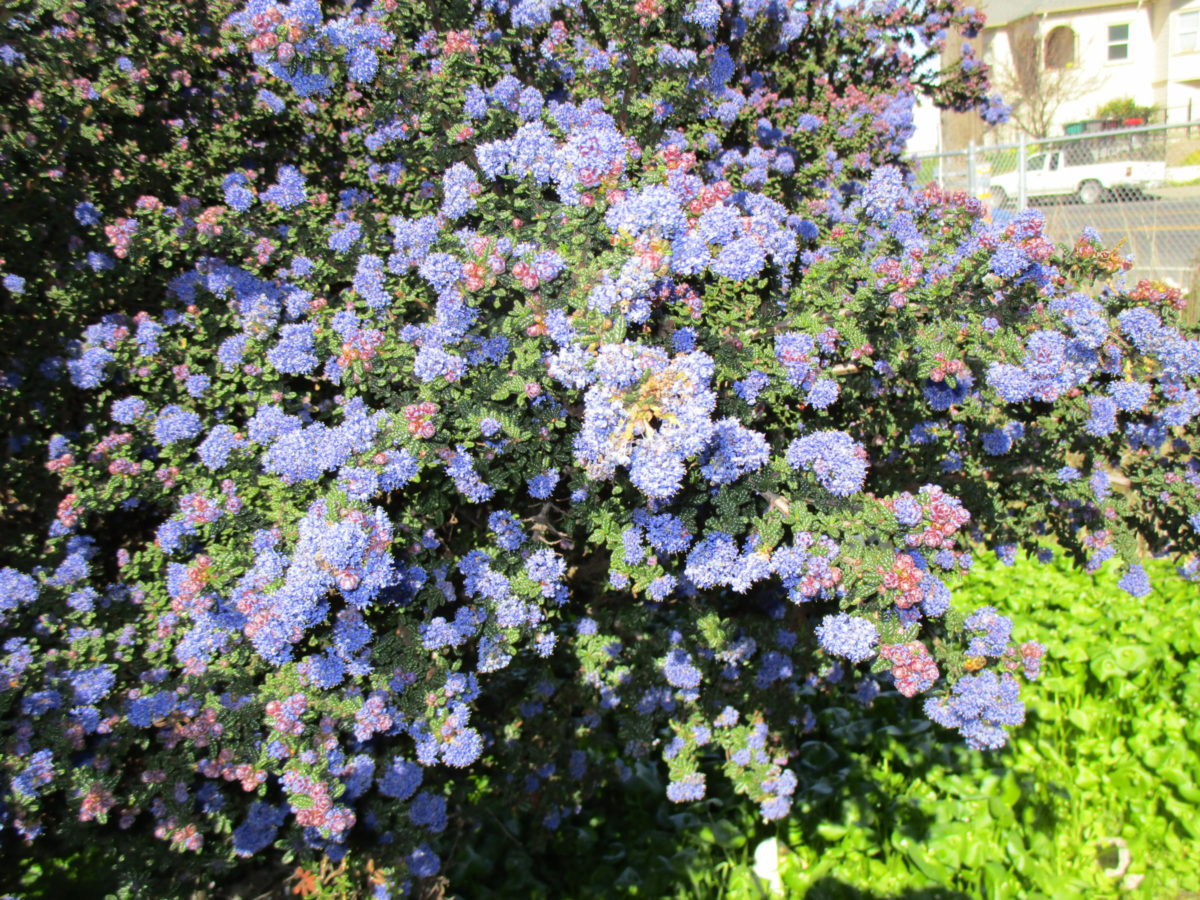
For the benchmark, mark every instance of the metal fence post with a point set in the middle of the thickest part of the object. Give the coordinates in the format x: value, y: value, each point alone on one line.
x: 972, y: 186
x: 1022, y: 198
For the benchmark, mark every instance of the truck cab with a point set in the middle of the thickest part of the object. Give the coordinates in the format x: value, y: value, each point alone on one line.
x: 1073, y: 172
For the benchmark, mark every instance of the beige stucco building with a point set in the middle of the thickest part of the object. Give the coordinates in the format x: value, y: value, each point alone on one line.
x: 1092, y: 52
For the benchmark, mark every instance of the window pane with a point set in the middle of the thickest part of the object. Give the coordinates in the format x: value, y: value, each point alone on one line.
x: 1118, y: 51
x: 1118, y: 33
x: 1189, y: 24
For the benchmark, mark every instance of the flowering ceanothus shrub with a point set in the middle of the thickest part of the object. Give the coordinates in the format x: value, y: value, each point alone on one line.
x: 602, y: 390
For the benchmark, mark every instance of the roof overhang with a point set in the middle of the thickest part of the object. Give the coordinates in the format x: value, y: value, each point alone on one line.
x: 1004, y: 12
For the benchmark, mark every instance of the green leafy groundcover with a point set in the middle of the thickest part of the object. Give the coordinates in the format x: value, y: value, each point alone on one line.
x: 1098, y: 798
x: 1104, y: 777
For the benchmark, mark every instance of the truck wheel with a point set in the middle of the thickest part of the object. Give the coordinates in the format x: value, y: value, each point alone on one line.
x: 999, y: 197
x: 1090, y: 192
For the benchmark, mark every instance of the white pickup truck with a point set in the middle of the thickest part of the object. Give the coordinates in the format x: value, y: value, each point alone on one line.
x: 1053, y: 173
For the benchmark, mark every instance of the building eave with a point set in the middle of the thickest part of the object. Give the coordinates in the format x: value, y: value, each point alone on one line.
x: 1001, y: 18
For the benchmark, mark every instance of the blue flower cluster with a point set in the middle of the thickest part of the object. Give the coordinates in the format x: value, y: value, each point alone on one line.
x: 836, y: 459
x: 851, y: 637
x: 633, y: 386
x: 979, y: 707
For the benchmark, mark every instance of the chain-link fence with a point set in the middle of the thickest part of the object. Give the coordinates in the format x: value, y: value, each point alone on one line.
x: 1139, y: 187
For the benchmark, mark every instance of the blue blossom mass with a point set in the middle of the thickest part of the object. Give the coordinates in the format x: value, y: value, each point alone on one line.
x: 444, y: 406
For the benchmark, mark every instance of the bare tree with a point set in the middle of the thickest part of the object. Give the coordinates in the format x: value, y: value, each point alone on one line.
x: 1041, y: 76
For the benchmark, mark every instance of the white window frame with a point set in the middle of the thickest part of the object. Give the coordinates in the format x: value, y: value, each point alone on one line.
x: 1109, y: 43
x: 1188, y: 40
